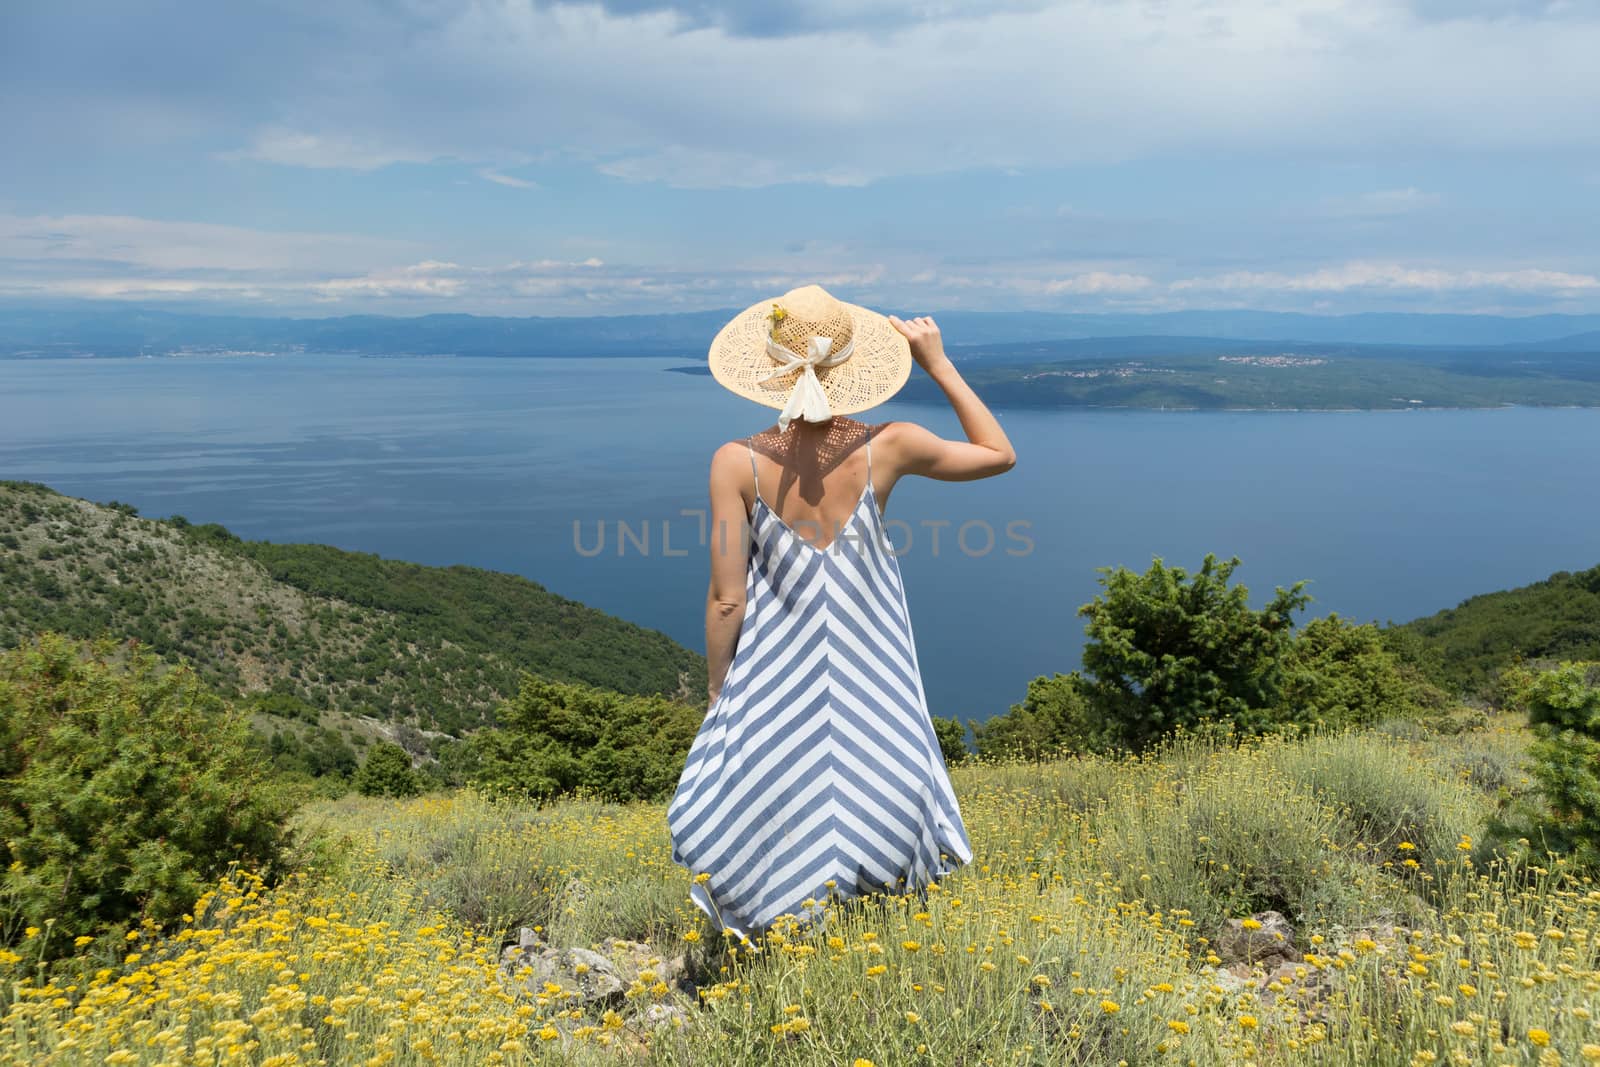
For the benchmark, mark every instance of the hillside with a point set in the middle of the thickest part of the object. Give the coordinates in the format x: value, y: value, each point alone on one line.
x: 345, y: 632
x: 1558, y: 618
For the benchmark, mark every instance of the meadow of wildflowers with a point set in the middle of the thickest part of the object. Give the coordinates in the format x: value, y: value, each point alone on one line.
x: 1084, y: 932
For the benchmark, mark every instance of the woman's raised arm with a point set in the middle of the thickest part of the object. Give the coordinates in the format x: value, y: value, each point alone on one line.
x: 987, y: 450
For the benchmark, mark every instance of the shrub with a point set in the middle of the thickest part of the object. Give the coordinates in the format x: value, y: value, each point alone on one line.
x: 1053, y: 717
x: 1342, y: 674
x: 126, y: 787
x: 387, y: 773
x: 558, y: 736
x: 952, y: 735
x: 1564, y: 713
x: 1168, y: 648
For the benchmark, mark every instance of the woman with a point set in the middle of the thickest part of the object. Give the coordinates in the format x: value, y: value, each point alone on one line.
x: 816, y: 773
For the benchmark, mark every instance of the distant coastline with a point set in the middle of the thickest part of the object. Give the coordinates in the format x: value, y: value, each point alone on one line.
x: 1191, y: 386
x: 1372, y: 378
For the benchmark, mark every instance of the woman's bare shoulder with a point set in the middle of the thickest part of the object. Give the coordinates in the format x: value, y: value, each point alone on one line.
x: 728, y: 455
x: 895, y: 431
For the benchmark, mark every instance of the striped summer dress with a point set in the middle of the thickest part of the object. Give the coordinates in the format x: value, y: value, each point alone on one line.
x: 818, y: 759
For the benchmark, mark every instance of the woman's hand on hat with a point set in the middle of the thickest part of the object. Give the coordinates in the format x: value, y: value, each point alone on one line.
x: 927, y: 347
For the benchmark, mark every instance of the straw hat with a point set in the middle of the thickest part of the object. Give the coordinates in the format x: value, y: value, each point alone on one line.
x: 811, y: 355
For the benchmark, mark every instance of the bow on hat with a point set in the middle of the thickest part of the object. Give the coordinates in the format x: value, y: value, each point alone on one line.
x: 807, y: 399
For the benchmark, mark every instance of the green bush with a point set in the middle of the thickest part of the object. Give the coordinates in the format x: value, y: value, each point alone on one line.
x: 126, y: 788
x: 952, y: 736
x: 1564, y: 713
x: 387, y: 773
x: 1054, y: 717
x: 1340, y: 674
x: 1168, y: 648
x: 557, y: 736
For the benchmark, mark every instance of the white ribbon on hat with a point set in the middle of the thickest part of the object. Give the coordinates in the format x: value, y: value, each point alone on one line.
x: 807, y: 399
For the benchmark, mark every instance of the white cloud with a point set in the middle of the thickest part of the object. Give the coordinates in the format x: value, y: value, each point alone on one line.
x: 177, y: 245
x: 422, y: 279
x: 1096, y: 282
x: 1383, y: 203
x: 122, y: 258
x: 326, y: 151
x: 689, y: 168
x: 1394, y: 276
x: 506, y: 179
x: 708, y: 94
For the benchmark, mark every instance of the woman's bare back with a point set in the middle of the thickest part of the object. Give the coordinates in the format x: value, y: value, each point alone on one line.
x: 813, y: 475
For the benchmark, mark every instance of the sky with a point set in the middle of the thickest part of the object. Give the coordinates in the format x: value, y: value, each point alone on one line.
x: 530, y: 157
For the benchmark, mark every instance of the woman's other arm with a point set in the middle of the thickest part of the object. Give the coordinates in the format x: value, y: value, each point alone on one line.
x: 986, y: 451
x: 728, y: 533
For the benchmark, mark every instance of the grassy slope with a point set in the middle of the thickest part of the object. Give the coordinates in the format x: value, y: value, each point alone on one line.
x: 346, y: 632
x: 1073, y: 937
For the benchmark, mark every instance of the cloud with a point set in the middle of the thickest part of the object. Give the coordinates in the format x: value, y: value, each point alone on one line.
x: 506, y: 179
x: 688, y: 168
x: 1394, y: 276
x: 1384, y: 203
x: 160, y: 244
x: 740, y: 18
x: 1459, y: 10
x: 297, y: 148
x: 429, y: 278
x: 725, y: 92
x: 1096, y: 282
x: 177, y: 263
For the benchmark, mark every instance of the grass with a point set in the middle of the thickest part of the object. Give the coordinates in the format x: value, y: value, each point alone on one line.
x: 1082, y: 932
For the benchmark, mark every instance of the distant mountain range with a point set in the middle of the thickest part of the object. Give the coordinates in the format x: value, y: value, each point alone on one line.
x: 43, y: 332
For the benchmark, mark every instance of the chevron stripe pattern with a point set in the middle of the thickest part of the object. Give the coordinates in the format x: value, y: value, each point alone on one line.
x: 818, y: 762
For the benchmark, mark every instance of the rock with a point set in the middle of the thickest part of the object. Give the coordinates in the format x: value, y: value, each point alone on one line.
x: 1229, y: 979
x: 579, y: 971
x: 1269, y: 945
x: 657, y: 1016
x: 635, y: 958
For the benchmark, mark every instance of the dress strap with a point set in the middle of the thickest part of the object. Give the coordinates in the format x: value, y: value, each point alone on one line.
x: 869, y: 455
x: 755, y: 478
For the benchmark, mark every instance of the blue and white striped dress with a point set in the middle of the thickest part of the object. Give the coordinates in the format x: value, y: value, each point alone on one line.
x: 818, y: 759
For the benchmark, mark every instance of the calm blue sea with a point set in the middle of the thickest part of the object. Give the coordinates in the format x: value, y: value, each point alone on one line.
x: 530, y: 465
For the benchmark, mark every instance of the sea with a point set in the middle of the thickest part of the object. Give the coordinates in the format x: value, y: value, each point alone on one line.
x: 589, y: 477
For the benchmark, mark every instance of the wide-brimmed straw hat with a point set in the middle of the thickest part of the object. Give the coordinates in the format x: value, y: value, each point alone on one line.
x: 811, y: 355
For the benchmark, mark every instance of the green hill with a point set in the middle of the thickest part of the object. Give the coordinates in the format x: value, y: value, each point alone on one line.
x: 1558, y: 618
x: 1189, y: 374
x: 345, y: 632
